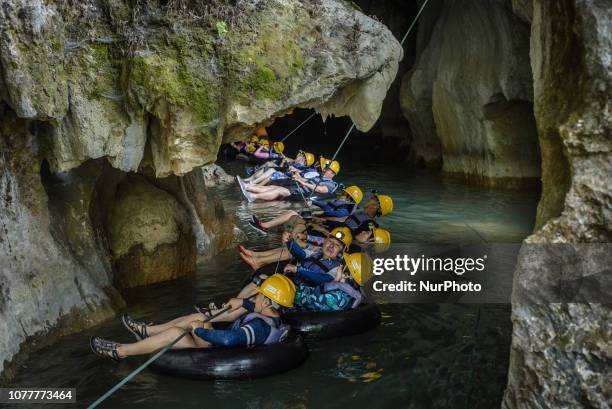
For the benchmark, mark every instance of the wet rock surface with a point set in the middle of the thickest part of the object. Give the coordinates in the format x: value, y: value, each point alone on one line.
x: 468, y: 97
x: 44, y: 283
x: 561, y: 352
x: 150, y: 235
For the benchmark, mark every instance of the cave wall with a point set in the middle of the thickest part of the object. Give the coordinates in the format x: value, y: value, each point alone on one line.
x: 45, y: 280
x: 561, y: 351
x: 469, y: 95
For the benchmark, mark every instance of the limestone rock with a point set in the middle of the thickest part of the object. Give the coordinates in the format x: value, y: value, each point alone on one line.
x: 214, y: 175
x: 392, y: 125
x: 114, y: 76
x: 523, y: 9
x: 416, y: 91
x: 150, y: 235
x: 471, y: 86
x: 32, y: 59
x: 97, y: 124
x: 561, y: 352
x: 42, y: 286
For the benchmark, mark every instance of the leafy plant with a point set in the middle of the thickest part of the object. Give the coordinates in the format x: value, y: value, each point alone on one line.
x: 221, y: 28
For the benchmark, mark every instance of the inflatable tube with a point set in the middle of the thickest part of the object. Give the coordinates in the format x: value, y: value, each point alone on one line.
x: 326, y: 325
x: 233, y: 363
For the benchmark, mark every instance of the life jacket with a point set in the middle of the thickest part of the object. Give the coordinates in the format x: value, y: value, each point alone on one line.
x: 277, y: 332
x: 357, y: 219
x: 320, y: 181
x: 319, y: 265
x: 354, y: 293
x: 342, y: 204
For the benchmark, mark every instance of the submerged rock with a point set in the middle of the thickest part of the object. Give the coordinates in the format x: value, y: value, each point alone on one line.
x: 150, y: 235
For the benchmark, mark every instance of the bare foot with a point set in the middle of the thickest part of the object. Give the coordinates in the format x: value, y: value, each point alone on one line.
x: 244, y: 250
x: 249, y: 260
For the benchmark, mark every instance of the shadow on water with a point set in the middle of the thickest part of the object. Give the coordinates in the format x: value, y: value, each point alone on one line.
x: 422, y: 356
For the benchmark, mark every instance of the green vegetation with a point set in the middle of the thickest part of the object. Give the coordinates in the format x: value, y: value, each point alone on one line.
x: 168, y: 78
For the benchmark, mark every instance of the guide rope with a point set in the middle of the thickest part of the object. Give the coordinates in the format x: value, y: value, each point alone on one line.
x: 149, y: 361
x: 299, y: 126
x: 414, y: 22
x: 412, y: 25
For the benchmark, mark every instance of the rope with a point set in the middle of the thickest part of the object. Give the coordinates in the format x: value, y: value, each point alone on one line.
x: 299, y: 126
x: 413, y: 22
x: 348, y: 133
x: 416, y: 18
x: 148, y: 362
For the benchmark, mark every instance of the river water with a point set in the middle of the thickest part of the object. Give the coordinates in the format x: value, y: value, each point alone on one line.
x: 422, y: 356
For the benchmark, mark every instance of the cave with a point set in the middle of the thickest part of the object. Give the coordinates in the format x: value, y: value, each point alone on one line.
x: 489, y: 127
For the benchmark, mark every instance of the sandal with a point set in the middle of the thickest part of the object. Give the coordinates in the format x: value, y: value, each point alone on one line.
x: 137, y: 328
x: 104, y: 348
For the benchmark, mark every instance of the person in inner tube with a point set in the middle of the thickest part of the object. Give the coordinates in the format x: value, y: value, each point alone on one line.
x: 251, y: 146
x: 343, y: 205
x: 371, y: 237
x: 255, y: 323
x: 375, y: 206
x: 296, y: 228
x: 313, y: 269
x: 341, y: 294
x: 280, y: 173
x: 320, y: 290
x: 302, y: 187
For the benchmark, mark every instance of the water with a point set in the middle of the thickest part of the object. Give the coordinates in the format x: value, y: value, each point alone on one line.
x: 422, y: 356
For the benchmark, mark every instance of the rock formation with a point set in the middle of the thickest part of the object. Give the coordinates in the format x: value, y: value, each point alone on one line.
x: 44, y: 280
x: 110, y: 73
x: 469, y: 96
x: 150, y: 235
x: 110, y: 104
x: 561, y: 352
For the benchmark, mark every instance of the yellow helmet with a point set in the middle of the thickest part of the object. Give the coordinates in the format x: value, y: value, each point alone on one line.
x: 254, y: 139
x: 382, y: 239
x: 310, y: 158
x: 386, y: 204
x: 355, y: 193
x: 278, y: 147
x: 359, y: 265
x: 250, y: 148
x: 264, y: 142
x: 262, y: 132
x: 279, y: 289
x: 343, y: 234
x: 327, y: 164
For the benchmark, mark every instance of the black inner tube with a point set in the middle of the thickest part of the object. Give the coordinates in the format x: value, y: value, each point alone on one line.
x: 326, y: 325
x: 233, y: 363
